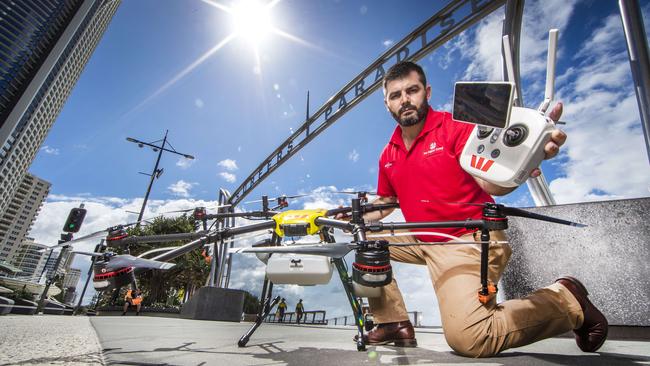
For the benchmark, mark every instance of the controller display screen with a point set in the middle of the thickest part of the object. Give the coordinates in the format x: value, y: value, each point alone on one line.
x: 486, y: 104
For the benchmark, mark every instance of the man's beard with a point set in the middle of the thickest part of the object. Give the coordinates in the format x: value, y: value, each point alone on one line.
x: 420, y: 114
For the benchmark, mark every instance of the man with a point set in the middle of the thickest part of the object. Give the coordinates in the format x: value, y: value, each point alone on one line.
x: 133, y: 299
x: 414, y: 176
x: 282, y: 307
x: 300, y: 310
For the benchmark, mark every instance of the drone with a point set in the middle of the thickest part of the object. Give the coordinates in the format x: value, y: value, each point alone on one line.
x: 311, y: 263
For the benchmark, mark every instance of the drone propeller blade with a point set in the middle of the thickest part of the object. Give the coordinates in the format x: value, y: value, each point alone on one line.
x: 126, y: 260
x: 356, y: 192
x: 512, y: 211
x: 187, y: 210
x: 334, y: 250
x: 271, y: 199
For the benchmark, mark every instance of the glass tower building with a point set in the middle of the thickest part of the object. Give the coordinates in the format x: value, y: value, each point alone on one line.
x: 44, y: 46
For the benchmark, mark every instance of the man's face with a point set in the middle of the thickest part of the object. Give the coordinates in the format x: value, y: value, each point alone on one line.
x: 406, y: 99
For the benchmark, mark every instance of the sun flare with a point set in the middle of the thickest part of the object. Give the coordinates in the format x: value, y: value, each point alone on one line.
x: 252, y: 20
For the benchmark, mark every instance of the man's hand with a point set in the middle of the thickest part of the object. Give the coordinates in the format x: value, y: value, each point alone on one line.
x: 558, y: 137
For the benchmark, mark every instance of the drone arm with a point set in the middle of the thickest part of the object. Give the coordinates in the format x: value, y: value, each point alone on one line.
x: 468, y: 224
x: 130, y: 240
x: 338, y: 224
x: 229, y: 232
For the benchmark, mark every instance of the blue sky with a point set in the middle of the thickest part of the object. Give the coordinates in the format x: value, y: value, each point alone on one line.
x: 230, y: 112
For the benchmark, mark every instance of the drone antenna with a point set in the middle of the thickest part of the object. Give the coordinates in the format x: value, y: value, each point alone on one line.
x: 549, y: 92
x: 507, y: 57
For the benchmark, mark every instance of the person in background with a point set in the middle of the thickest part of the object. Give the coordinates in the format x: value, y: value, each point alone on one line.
x: 282, y: 307
x: 133, y: 299
x: 300, y: 310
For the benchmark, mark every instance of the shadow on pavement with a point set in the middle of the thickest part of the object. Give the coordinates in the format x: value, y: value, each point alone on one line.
x: 387, y: 355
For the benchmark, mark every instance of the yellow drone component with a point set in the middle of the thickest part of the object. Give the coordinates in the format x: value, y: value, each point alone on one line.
x: 297, y: 222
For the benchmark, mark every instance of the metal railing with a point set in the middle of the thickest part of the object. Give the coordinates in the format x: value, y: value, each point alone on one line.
x: 308, y: 317
x: 414, y: 316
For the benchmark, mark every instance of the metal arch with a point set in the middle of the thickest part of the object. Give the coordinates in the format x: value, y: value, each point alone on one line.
x: 220, y: 272
x: 637, y: 50
x: 455, y: 17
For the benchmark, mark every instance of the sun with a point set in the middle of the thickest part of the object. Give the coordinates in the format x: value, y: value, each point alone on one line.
x: 252, y: 20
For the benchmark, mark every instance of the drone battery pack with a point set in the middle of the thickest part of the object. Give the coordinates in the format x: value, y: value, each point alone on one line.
x: 299, y: 269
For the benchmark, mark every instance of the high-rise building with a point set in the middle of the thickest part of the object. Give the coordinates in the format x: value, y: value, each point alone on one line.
x: 30, y: 258
x: 71, y: 278
x: 70, y: 282
x: 44, y: 46
x: 20, y: 214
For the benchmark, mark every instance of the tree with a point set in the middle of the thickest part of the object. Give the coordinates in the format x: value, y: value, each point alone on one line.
x: 251, y: 303
x: 190, y: 271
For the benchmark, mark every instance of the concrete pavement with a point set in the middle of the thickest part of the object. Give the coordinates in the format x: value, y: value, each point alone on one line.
x: 142, y: 340
x: 157, y: 341
x: 48, y: 340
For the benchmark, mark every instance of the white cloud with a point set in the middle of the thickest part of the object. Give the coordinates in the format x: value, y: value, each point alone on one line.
x: 228, y: 177
x: 353, y: 155
x: 228, y: 164
x: 184, y: 163
x: 50, y: 150
x: 387, y: 43
x: 181, y: 188
x: 363, y: 10
x: 198, y: 102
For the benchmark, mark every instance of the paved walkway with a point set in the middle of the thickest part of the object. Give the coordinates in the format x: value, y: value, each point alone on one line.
x: 131, y: 340
x: 48, y: 340
x: 157, y: 341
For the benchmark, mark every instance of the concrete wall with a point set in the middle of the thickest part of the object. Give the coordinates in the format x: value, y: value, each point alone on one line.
x: 611, y: 256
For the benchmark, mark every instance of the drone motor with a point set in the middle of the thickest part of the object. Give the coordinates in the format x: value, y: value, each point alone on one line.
x: 371, y: 269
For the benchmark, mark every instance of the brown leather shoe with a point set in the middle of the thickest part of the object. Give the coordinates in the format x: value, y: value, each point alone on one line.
x: 593, y: 332
x: 401, y: 334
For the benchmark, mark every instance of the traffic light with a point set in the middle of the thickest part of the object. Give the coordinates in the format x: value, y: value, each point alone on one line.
x: 75, y: 218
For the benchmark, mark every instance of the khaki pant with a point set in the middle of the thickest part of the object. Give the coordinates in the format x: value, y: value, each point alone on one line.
x: 471, y: 328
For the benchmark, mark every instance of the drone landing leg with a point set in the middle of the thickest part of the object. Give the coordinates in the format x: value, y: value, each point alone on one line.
x: 265, y: 309
x: 354, y: 303
x: 488, y: 289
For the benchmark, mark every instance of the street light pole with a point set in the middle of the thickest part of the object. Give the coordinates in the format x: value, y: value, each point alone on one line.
x: 156, y: 173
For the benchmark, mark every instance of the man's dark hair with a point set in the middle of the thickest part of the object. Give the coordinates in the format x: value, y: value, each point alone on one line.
x: 401, y: 70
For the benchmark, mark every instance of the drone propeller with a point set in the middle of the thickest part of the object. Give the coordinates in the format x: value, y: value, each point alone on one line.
x: 192, y: 209
x: 95, y: 234
x: 279, y: 197
x: 126, y: 260
x: 334, y: 250
x: 357, y: 193
x: 512, y: 211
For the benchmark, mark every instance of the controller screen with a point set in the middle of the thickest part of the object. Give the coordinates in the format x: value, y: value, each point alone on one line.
x: 486, y: 104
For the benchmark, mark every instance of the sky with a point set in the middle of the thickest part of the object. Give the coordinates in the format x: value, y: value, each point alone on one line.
x: 175, y: 65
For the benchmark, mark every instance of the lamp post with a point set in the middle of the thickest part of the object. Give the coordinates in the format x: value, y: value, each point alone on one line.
x: 156, y: 173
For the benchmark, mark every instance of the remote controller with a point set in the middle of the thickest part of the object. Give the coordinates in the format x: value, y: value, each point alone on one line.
x: 506, y: 156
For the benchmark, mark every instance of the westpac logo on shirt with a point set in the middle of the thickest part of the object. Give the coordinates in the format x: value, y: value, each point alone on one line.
x: 433, y: 148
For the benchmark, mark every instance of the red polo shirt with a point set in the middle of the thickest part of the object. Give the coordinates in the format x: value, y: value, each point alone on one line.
x: 429, y: 175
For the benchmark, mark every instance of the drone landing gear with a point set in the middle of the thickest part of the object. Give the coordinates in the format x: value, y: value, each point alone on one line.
x: 354, y: 302
x: 265, y: 309
x: 488, y: 289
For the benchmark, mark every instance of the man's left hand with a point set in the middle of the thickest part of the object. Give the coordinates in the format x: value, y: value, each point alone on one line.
x: 558, y: 137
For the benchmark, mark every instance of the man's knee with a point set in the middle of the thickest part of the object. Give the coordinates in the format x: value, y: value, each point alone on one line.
x: 469, y: 343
